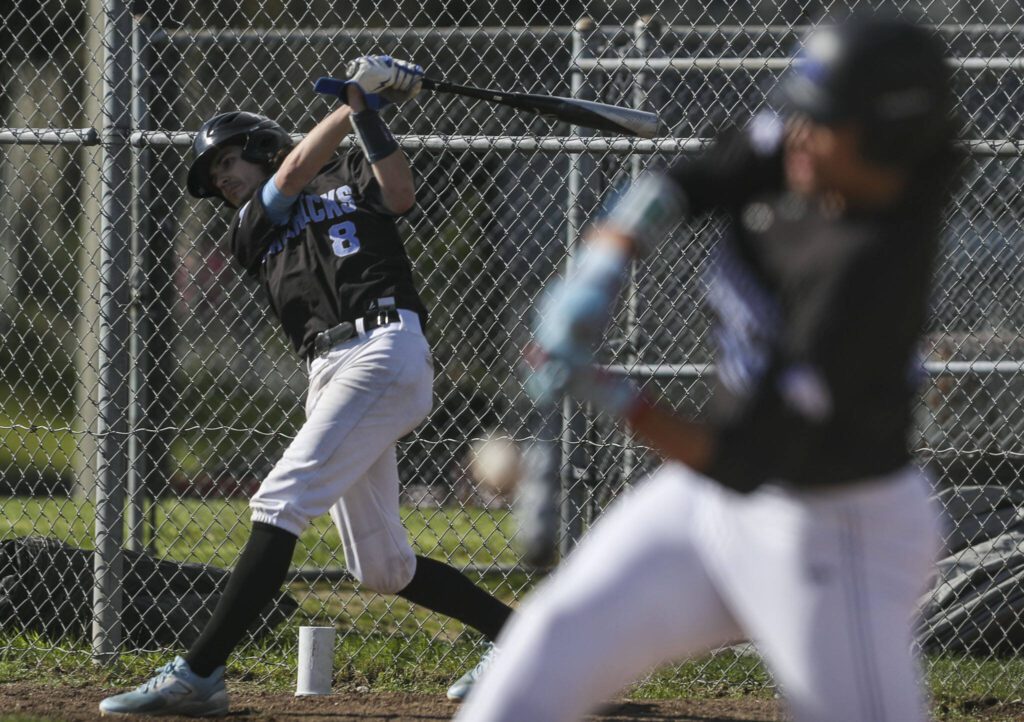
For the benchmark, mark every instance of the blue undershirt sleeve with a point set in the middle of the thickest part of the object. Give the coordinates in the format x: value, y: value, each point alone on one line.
x: 278, y: 205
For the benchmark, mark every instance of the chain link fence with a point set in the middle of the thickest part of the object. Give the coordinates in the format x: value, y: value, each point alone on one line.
x: 146, y: 392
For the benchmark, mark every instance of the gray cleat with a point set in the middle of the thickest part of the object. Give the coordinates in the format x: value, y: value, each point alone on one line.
x: 460, y: 689
x: 174, y: 690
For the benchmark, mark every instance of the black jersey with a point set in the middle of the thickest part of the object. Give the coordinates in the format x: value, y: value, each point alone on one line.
x: 339, y: 253
x: 818, y: 316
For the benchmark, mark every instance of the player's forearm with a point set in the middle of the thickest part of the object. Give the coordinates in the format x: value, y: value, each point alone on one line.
x: 314, y: 151
x: 394, y: 175
x: 610, y: 236
x: 673, y: 436
x: 392, y: 171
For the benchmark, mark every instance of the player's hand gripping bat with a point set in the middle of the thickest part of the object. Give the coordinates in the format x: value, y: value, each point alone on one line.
x: 586, y: 113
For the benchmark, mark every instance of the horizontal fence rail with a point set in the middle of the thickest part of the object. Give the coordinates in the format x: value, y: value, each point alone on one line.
x: 455, y: 143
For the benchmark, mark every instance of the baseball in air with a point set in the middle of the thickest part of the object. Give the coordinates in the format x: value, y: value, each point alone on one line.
x: 495, y: 462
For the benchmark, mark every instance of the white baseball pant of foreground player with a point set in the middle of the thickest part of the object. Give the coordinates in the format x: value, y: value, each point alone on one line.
x: 682, y: 566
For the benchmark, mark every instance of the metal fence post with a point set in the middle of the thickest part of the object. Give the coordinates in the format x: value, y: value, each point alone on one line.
x: 151, y: 279
x: 573, y: 493
x: 154, y: 291
x: 142, y: 329
x: 643, y: 44
x: 114, y: 330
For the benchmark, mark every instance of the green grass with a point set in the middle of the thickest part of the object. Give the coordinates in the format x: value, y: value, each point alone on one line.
x: 383, y: 642
x: 213, y: 532
x: 31, y: 435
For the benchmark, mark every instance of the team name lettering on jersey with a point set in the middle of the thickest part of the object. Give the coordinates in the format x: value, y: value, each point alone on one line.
x: 309, y: 208
x: 748, y: 318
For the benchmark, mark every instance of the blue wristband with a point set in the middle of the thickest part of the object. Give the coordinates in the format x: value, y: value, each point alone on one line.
x: 374, y: 101
x: 601, y: 265
x: 574, y: 314
x: 277, y: 204
x: 374, y: 135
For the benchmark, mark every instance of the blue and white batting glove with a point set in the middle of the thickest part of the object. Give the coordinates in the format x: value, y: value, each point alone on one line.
x: 574, y: 315
x: 547, y: 380
x: 571, y: 320
x: 394, y: 80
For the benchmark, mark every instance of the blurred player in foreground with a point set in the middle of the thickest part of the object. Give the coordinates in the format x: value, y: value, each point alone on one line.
x: 319, y: 232
x: 793, y: 515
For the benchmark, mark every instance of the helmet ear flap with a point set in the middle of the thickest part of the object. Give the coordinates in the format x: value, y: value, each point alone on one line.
x: 896, y: 146
x: 905, y: 142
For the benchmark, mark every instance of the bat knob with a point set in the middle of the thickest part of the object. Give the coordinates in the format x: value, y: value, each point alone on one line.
x: 330, y: 86
x: 537, y: 507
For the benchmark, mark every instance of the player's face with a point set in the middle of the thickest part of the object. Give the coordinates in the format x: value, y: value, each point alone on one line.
x: 235, y: 178
x: 827, y: 159
x: 816, y: 156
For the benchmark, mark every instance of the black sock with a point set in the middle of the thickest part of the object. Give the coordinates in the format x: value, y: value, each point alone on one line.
x: 445, y: 589
x: 255, y: 581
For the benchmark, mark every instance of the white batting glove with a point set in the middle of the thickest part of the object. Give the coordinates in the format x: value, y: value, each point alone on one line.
x: 395, y: 80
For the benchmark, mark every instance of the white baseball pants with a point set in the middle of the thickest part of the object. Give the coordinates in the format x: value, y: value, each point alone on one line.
x: 364, y: 395
x: 825, y: 583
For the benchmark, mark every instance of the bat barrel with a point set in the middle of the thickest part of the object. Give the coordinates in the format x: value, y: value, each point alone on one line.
x: 608, y: 117
x: 588, y: 114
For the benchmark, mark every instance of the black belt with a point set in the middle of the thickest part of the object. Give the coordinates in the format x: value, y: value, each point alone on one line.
x: 326, y: 340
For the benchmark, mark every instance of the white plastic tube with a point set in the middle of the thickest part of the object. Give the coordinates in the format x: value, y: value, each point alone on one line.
x: 316, y: 661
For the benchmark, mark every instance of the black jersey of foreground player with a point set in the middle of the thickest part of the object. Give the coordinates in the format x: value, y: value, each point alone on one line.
x: 798, y: 284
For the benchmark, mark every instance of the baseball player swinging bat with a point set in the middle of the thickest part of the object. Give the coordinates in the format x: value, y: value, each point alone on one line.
x: 600, y: 116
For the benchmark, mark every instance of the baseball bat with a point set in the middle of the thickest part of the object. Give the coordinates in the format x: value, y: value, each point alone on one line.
x: 586, y: 113
x: 537, y: 505
x: 536, y: 508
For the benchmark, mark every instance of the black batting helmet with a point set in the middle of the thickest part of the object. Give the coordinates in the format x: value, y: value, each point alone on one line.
x: 260, y: 137
x: 888, y: 76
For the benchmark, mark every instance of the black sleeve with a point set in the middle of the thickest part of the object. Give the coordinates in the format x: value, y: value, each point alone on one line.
x: 738, y: 165
x: 252, y: 233
x: 365, y: 188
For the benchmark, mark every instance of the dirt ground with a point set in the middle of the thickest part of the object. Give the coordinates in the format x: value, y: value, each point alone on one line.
x: 44, y: 702
x: 37, y: 702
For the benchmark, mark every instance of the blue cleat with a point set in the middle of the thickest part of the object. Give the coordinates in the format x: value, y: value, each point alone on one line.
x: 174, y: 690
x: 462, y: 686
